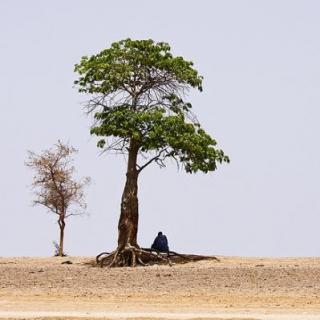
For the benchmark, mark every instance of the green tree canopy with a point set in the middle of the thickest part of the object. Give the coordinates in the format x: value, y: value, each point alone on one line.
x: 137, y: 90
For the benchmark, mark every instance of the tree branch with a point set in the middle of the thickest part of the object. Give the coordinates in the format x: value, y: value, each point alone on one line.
x: 155, y: 158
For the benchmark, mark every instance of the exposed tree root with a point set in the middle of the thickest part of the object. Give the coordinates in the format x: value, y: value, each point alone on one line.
x: 132, y: 256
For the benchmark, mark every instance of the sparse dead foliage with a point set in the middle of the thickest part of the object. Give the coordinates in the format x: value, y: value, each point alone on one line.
x: 54, y: 185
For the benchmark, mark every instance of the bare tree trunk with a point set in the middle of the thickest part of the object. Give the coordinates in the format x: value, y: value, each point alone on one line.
x: 62, y: 226
x: 128, y: 252
x: 128, y: 222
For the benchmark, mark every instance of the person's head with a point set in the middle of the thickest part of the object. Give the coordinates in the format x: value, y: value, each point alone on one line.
x: 159, y: 233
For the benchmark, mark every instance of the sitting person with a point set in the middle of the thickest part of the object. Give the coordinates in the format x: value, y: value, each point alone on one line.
x: 160, y: 243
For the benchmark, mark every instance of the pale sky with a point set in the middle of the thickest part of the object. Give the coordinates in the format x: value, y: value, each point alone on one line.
x: 261, y: 66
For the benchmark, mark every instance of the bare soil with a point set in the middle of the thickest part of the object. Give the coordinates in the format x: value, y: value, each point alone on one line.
x: 234, y: 288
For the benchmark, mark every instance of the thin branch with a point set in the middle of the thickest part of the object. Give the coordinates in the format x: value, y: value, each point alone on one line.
x: 155, y: 158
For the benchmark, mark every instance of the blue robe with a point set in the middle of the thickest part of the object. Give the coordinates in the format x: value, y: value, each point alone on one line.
x: 160, y: 243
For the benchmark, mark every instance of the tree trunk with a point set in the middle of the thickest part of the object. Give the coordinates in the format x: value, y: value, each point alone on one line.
x: 62, y: 226
x: 128, y: 222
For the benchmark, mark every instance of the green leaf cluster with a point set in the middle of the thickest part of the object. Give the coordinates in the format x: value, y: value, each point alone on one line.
x: 129, y: 63
x: 155, y: 130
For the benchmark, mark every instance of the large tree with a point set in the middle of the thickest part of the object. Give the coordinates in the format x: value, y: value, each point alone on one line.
x: 55, y: 187
x: 137, y: 90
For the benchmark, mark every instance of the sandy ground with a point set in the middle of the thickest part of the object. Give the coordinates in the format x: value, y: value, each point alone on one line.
x: 235, y: 288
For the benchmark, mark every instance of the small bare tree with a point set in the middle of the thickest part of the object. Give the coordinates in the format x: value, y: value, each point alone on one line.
x: 54, y: 185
